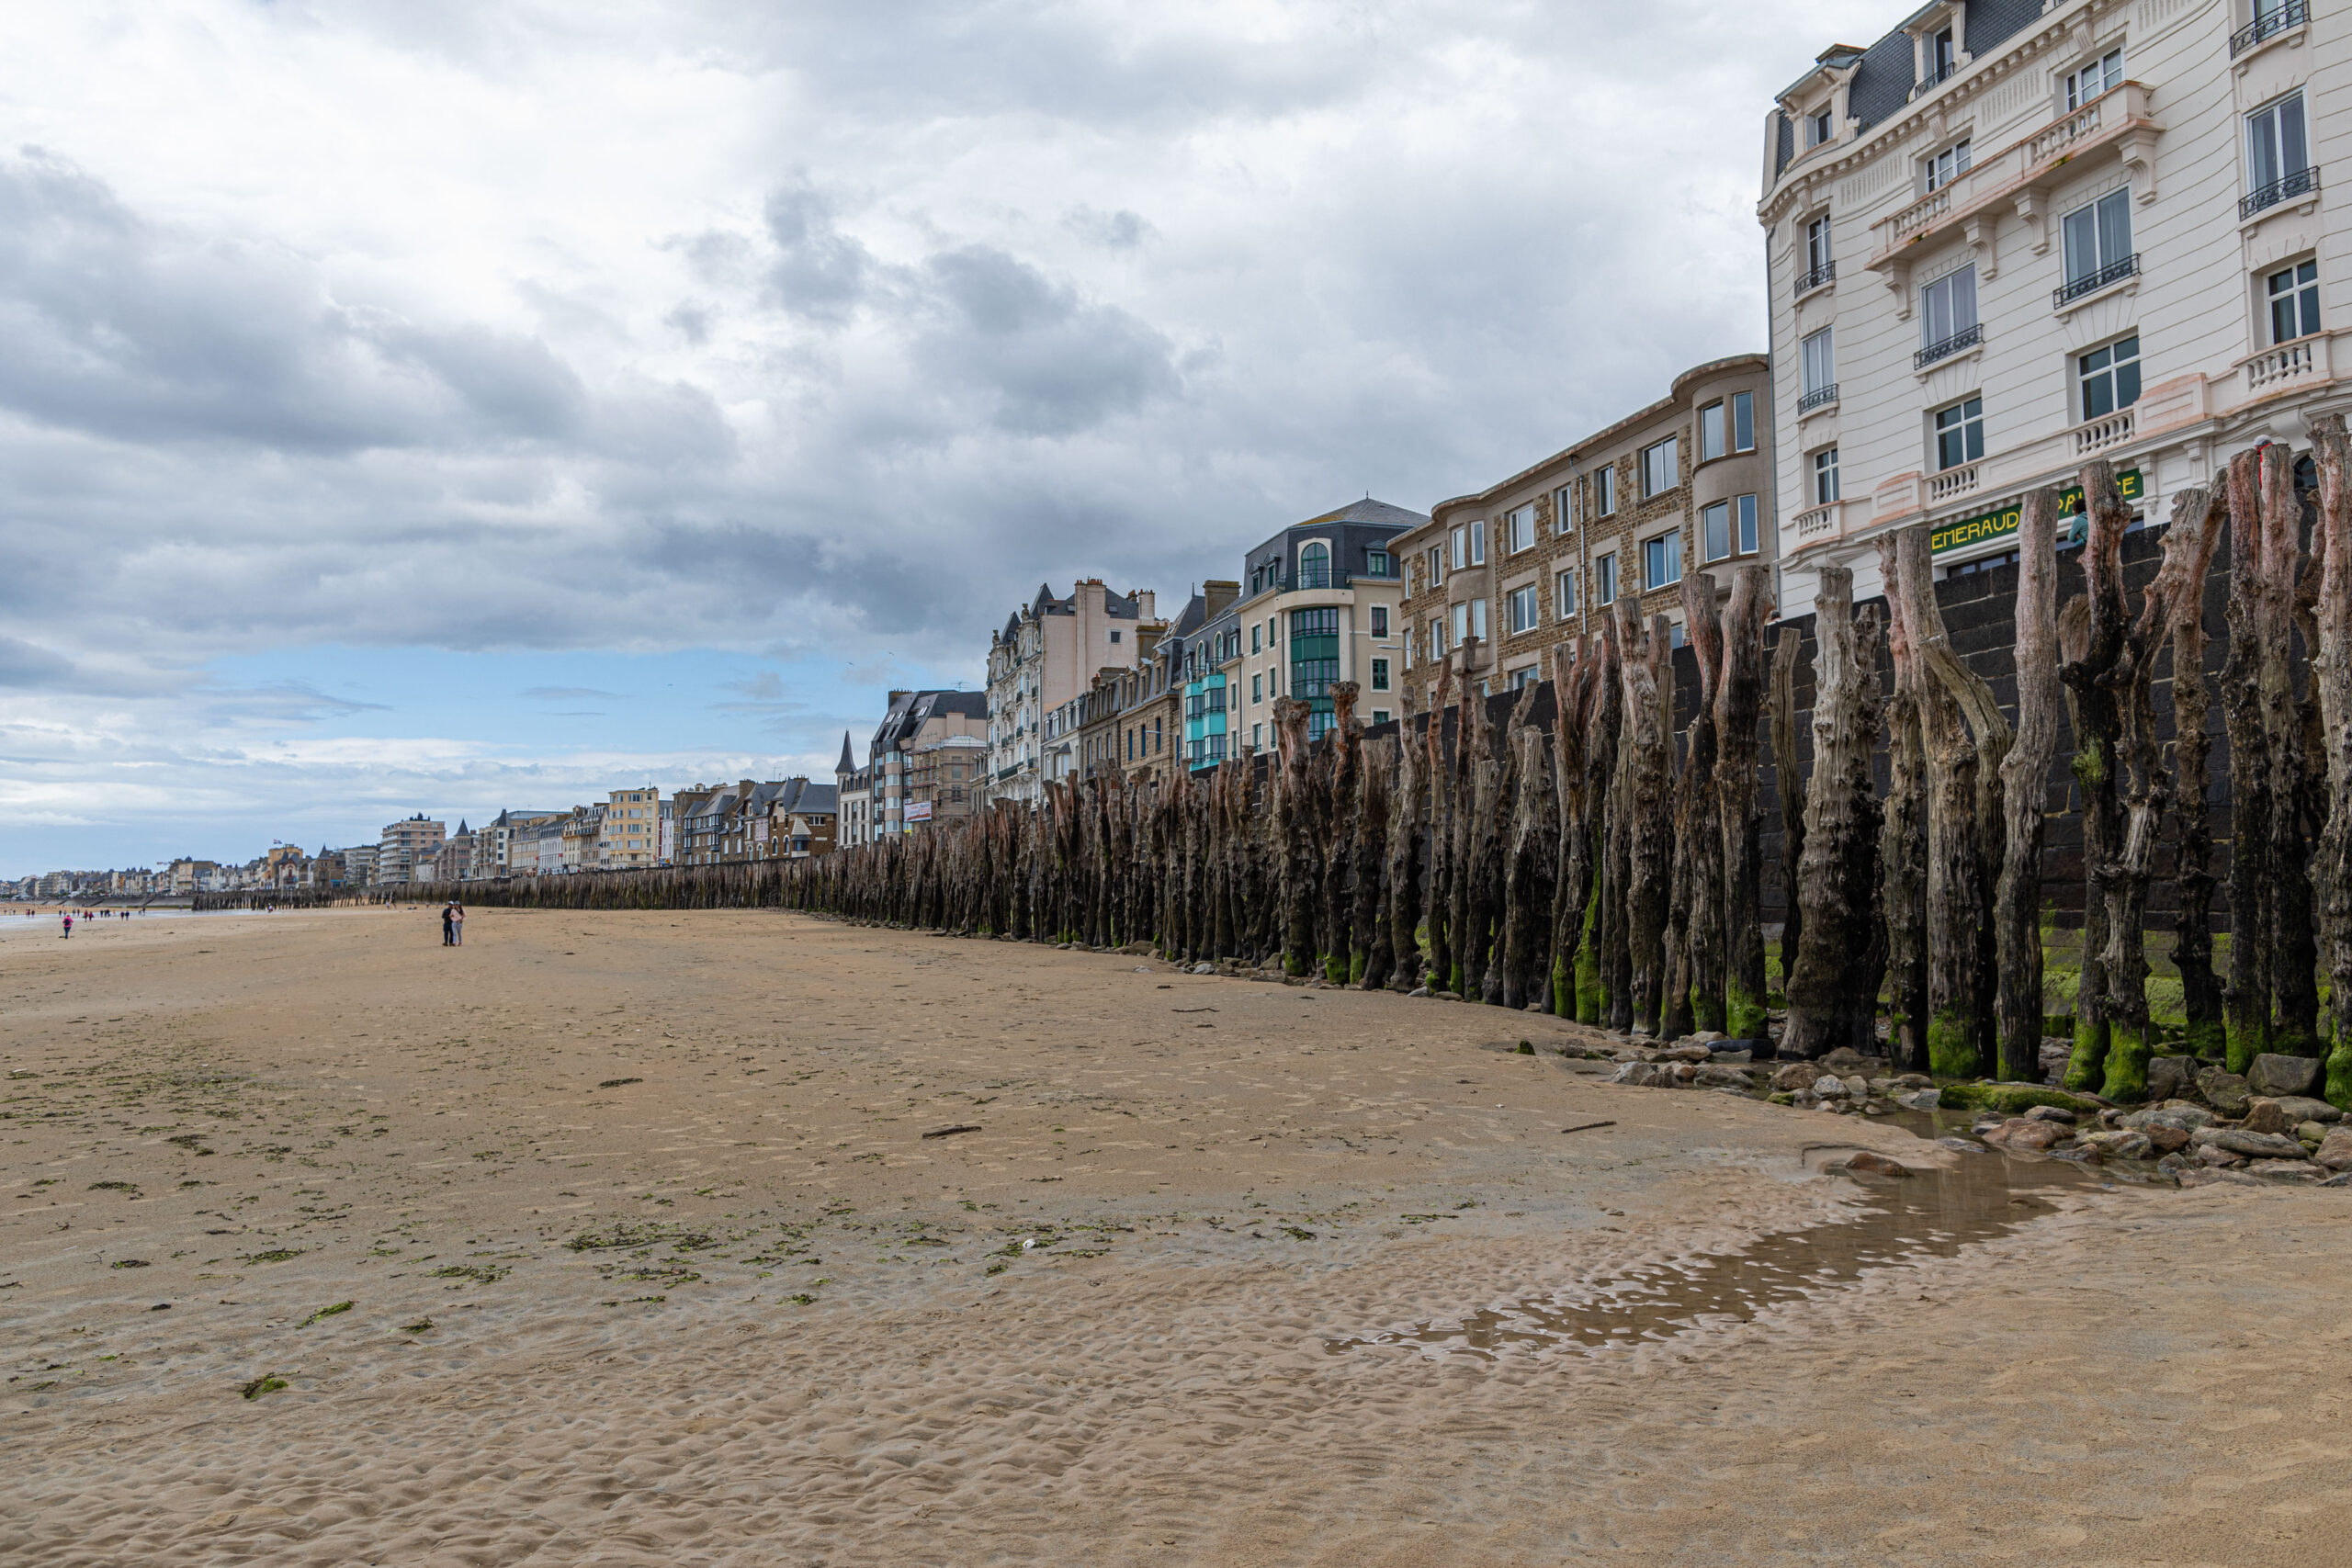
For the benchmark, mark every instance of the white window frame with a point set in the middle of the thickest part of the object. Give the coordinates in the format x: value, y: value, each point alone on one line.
x: 1743, y: 421
x: 1380, y: 674
x: 2280, y: 124
x: 2303, y: 292
x: 1479, y: 619
x: 1821, y: 125
x: 1942, y: 303
x: 1825, y: 476
x: 1604, y: 490
x: 1461, y: 548
x: 1964, y: 423
x: 2097, y: 235
x: 2111, y: 372
x: 1563, y: 509
x: 1819, y: 244
x: 1714, y: 432
x: 1661, y: 458
x: 1669, y: 545
x: 1563, y: 593
x: 1604, y: 569
x: 1817, y: 355
x: 1380, y: 620
x: 1715, y: 515
x: 1519, y: 529
x: 2095, y: 79
x: 1940, y: 168
x: 1746, y: 535
x: 1525, y: 614
x: 1478, y: 542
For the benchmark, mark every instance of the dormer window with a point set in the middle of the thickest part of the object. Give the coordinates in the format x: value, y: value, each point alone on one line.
x: 1819, y: 126
x: 1938, y: 43
x: 1943, y: 58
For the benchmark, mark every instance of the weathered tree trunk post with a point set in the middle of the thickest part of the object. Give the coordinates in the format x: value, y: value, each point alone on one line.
x: 1406, y: 809
x: 2092, y: 641
x: 1648, y: 763
x: 2178, y: 590
x: 1788, y: 775
x: 1571, y: 689
x: 2192, y: 952
x: 1293, y: 814
x: 1695, y: 962
x: 1827, y: 1006
x: 2025, y: 793
x: 1340, y: 848
x: 1371, y: 958
x: 1739, y: 696
x: 1597, y: 947
x: 1902, y: 836
x: 2332, y: 681
x: 1531, y: 860
x: 1438, y: 883
x: 2294, y: 957
x: 2252, y: 618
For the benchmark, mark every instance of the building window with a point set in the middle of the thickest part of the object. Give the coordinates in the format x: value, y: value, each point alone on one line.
x: 1944, y: 59
x: 2110, y: 378
x: 2098, y: 242
x: 1743, y: 520
x: 1519, y: 529
x: 1604, y: 579
x: 1114, y: 636
x: 1661, y: 467
x: 1817, y: 246
x: 1714, y: 531
x: 1561, y: 511
x: 1258, y: 688
x: 1380, y: 716
x: 1818, y: 354
x: 1380, y: 620
x: 1604, y: 492
x: 1380, y: 674
x: 1524, y: 676
x: 1258, y: 736
x: 1521, y: 611
x: 1478, y: 542
x: 1314, y: 567
x: 1947, y: 308
x: 2101, y: 75
x: 1946, y: 167
x: 2277, y: 152
x: 1959, y: 433
x: 1461, y: 549
x: 2294, y: 301
x: 1461, y: 620
x: 1818, y: 127
x: 1564, y: 594
x: 1711, y: 433
x: 1743, y: 421
x: 1438, y: 644
x: 1661, y: 561
x: 1377, y: 563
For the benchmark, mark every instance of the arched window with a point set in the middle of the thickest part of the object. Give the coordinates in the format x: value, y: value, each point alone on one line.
x: 1314, y: 567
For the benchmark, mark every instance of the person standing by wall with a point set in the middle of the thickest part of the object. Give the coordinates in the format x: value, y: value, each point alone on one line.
x: 456, y: 924
x: 449, y: 925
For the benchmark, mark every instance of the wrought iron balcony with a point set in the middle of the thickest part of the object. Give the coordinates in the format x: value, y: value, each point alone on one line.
x: 1817, y: 276
x: 2293, y: 14
x: 2091, y: 283
x: 2302, y: 182
x: 1967, y: 337
x: 1820, y: 397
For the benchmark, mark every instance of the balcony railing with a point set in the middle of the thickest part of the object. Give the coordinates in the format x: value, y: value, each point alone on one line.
x: 1820, y: 523
x: 2293, y: 14
x: 1819, y: 398
x: 1967, y: 337
x: 2287, y: 362
x: 2302, y: 182
x: 2091, y: 283
x: 2099, y: 435
x: 1812, y: 281
x: 1952, y: 482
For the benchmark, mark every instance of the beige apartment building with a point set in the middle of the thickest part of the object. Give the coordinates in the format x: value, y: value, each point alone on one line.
x: 1683, y: 485
x: 404, y: 844
x: 1046, y: 654
x: 2011, y: 236
x: 630, y: 837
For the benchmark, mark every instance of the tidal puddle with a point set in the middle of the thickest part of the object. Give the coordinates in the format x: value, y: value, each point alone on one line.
x: 1932, y: 1213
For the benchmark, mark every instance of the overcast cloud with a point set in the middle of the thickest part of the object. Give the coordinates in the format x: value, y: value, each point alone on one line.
x: 812, y: 337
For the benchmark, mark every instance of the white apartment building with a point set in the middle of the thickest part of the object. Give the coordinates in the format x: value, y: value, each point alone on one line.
x: 2014, y: 235
x: 1048, y: 653
x: 630, y: 837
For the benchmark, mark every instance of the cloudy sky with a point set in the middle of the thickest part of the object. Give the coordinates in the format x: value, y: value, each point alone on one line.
x: 451, y: 404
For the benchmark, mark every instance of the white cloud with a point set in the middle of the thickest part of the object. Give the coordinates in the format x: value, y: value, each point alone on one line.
x: 531, y: 325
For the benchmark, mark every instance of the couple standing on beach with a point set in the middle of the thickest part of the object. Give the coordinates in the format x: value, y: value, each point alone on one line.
x: 453, y: 924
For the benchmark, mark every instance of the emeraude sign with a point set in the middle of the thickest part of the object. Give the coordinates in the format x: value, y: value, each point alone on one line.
x: 2002, y: 522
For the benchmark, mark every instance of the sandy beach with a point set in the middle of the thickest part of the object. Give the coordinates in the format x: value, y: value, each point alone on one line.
x: 647, y: 1258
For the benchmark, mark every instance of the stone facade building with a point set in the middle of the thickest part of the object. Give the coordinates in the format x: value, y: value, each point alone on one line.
x: 1683, y: 485
x: 1321, y: 602
x: 2011, y: 236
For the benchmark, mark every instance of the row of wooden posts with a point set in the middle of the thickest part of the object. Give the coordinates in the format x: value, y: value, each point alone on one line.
x: 1610, y: 871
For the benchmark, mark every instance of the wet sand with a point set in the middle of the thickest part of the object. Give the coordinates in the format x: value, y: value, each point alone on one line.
x: 649, y: 1259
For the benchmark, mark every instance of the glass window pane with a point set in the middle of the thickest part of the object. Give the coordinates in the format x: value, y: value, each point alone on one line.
x: 2114, y: 227
x: 1748, y: 524
x: 1714, y: 530
x: 2291, y: 153
x: 1743, y: 421
x: 2082, y: 244
x: 1711, y: 431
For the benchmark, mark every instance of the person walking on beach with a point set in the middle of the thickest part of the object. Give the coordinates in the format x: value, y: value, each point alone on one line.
x: 456, y: 924
x: 448, y: 926
x: 68, y: 916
